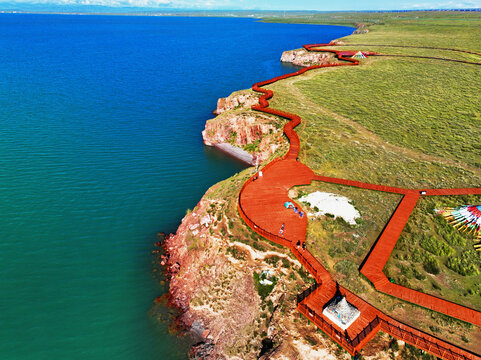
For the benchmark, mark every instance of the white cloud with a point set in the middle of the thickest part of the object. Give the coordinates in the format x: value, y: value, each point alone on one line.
x: 178, y: 4
x: 264, y: 4
x: 445, y: 5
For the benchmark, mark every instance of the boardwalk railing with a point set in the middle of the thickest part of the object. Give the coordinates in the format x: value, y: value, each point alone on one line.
x: 322, y: 324
x: 307, y: 292
x: 354, y: 345
x: 268, y: 235
x: 425, y: 343
x: 307, y: 264
x: 367, y: 331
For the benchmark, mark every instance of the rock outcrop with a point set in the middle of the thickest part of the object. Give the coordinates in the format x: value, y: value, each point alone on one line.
x: 361, y: 29
x: 251, y: 135
x: 235, y: 100
x: 302, y: 57
x: 204, y: 281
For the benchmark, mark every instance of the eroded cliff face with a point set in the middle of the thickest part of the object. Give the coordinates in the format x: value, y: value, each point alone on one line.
x: 302, y: 57
x: 211, y: 262
x: 238, y: 99
x: 361, y: 29
x: 248, y: 131
x: 252, y: 132
x: 215, y: 295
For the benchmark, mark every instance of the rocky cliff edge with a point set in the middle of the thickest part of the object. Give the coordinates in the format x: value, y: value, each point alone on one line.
x: 216, y: 264
x: 242, y: 132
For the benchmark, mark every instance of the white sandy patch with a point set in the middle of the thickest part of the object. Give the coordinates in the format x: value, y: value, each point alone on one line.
x: 327, y: 203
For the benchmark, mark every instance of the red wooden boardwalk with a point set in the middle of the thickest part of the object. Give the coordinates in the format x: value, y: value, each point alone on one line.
x: 261, y: 205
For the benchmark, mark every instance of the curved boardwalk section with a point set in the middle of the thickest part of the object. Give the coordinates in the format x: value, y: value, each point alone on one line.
x: 261, y: 205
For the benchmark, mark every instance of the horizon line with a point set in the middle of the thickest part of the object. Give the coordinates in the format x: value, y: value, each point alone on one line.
x: 153, y: 9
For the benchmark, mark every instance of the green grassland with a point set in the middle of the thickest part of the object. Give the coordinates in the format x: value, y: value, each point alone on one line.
x: 428, y: 106
x: 337, y: 144
x: 404, y: 122
x: 403, y: 24
x: 435, y: 258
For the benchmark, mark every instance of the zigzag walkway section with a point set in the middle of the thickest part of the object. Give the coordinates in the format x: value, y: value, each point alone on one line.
x: 377, y: 259
x: 261, y: 202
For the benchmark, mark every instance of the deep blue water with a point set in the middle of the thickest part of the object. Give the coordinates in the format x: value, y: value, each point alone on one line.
x: 100, y: 148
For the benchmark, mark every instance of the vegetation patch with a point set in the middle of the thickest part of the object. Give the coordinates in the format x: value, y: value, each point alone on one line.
x: 436, y: 246
x: 253, y: 147
x: 465, y: 264
x: 274, y: 260
x: 441, y: 259
x: 264, y: 283
x: 236, y: 253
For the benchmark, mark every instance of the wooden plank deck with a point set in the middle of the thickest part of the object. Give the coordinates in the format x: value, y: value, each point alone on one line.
x: 263, y: 199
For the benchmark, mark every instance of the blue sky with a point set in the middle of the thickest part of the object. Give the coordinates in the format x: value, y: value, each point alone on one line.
x: 322, y: 5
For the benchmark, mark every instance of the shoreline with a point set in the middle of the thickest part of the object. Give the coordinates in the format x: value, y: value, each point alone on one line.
x: 187, y: 321
x: 175, y: 251
x: 235, y: 152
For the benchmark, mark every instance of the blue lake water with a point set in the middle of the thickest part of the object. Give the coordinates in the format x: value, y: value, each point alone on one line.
x: 100, y: 149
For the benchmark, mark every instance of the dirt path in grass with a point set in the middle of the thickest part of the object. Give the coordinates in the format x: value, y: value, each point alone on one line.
x: 262, y: 255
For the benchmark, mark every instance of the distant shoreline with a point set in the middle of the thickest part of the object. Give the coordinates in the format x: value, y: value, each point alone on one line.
x: 153, y: 14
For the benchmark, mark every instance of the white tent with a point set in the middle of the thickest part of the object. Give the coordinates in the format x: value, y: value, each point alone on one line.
x: 359, y: 55
x: 341, y: 312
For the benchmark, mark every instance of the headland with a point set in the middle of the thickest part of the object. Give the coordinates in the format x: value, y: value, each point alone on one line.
x: 366, y: 124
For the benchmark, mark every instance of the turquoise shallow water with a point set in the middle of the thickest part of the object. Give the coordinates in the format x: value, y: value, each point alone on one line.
x: 100, y: 148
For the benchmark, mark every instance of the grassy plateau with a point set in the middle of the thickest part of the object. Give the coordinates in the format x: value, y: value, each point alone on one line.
x: 399, y: 121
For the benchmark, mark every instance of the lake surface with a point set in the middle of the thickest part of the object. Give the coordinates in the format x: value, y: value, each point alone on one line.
x: 100, y: 149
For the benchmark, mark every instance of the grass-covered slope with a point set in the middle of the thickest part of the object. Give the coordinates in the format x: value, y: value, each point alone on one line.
x: 430, y: 107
